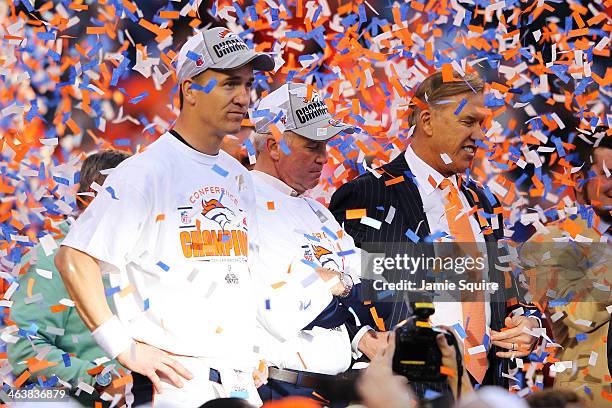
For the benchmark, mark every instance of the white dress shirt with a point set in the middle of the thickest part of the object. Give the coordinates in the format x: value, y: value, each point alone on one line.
x: 447, y: 313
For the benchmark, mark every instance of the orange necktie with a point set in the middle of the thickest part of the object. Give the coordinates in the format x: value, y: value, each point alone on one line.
x: 474, y: 310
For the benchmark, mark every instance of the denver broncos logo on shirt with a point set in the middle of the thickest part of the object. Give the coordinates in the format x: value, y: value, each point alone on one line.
x: 324, y: 256
x: 217, y: 212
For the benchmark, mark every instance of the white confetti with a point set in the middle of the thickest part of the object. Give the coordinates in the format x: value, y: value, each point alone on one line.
x: 55, y: 330
x: 593, y: 358
x: 557, y: 316
x: 35, y: 298
x: 66, y: 302
x: 477, y: 350
x: 370, y: 222
x: 44, y: 273
x: 445, y: 157
x: 9, y: 292
x: 86, y: 387
x: 48, y: 244
x: 583, y: 322
x: 390, y: 215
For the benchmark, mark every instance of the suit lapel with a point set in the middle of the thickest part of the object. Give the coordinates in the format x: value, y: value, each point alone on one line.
x: 408, y: 196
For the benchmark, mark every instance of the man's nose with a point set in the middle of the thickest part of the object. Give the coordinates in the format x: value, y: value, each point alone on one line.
x: 243, y: 97
x: 478, y: 134
x: 322, y: 156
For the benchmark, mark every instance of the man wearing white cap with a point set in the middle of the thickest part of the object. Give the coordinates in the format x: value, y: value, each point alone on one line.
x: 172, y: 227
x: 308, y: 265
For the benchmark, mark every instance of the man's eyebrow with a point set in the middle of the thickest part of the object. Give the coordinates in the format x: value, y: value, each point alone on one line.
x: 474, y: 116
x: 237, y: 78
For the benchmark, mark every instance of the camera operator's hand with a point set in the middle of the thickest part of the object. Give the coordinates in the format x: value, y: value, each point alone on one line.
x: 379, y: 387
x: 449, y: 360
x: 327, y: 275
x: 515, y: 339
x: 372, y: 343
x: 153, y: 362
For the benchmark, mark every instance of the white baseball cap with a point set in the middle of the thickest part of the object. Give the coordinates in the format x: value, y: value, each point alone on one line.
x: 289, y: 109
x: 218, y: 48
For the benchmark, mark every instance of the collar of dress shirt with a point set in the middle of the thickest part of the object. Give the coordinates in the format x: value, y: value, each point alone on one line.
x: 276, y: 183
x: 422, y: 171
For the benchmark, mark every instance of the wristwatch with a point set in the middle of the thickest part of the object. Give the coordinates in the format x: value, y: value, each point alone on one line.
x: 347, y: 282
x: 103, y: 380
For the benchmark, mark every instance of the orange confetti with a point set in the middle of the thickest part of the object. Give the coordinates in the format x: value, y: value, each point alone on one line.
x: 278, y: 284
x: 121, y: 381
x: 21, y: 379
x: 356, y: 214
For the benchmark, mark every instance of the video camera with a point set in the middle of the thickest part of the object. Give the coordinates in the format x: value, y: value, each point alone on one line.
x: 417, y: 355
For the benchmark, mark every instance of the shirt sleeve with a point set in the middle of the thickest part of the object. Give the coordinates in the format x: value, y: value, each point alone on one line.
x: 112, y: 225
x: 38, y: 324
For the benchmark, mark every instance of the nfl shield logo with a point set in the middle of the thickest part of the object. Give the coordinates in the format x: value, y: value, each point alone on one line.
x: 185, y: 218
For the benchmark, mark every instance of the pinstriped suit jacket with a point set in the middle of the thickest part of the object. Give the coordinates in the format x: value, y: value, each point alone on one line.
x: 369, y: 192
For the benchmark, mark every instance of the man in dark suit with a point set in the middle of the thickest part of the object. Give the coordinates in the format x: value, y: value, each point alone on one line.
x: 419, y: 183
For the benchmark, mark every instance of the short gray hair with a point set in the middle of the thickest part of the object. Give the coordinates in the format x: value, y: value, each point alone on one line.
x: 259, y: 140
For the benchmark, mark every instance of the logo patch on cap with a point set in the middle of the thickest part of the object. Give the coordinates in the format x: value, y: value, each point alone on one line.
x: 199, y: 62
x: 226, y: 33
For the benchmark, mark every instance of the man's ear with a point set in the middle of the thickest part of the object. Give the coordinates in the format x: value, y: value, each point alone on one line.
x: 425, y: 117
x: 273, y: 148
x: 188, y: 92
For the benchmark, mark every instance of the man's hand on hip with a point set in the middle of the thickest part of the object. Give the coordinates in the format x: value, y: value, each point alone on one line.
x: 153, y: 363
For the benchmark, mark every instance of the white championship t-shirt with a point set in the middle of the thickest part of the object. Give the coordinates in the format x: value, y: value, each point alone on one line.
x: 172, y: 227
x: 298, y: 234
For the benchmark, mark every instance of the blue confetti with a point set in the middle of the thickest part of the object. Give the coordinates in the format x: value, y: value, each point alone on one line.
x: 460, y: 107
x: 459, y: 330
x: 284, y: 147
x: 46, y: 35
x: 581, y: 337
x: 410, y: 234
x: 268, y: 304
x: 138, y: 98
x: 111, y: 291
x: 162, y: 265
x: 431, y: 394
x: 111, y: 192
x: 206, y: 88
x: 346, y: 253
x: 146, y: 304
x: 220, y: 170
x: 193, y: 56
x: 249, y: 147
x: 310, y: 263
x: 312, y: 238
x: 66, y: 358
x: 329, y: 232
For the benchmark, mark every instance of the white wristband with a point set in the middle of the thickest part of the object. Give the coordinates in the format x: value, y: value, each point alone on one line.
x: 112, y: 337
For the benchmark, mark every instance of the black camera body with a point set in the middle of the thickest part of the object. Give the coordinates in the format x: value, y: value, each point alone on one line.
x: 417, y: 355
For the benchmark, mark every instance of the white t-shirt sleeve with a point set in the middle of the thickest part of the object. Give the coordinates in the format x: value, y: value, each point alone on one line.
x: 112, y: 225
